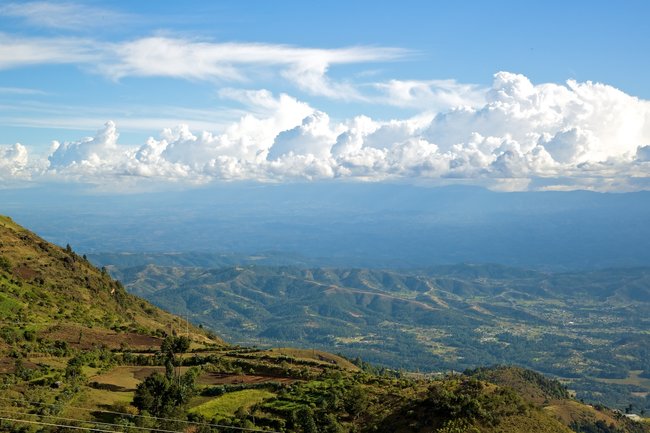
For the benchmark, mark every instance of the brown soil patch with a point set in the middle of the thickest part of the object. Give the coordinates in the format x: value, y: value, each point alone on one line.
x: 7, y: 365
x: 81, y: 337
x: 207, y: 378
x: 25, y: 273
x: 125, y: 378
x: 234, y: 379
x: 141, y: 373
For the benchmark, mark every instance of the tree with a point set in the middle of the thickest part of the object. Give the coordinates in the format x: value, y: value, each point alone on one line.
x: 74, y: 370
x: 152, y: 395
x: 305, y: 419
x: 170, y: 346
x: 160, y: 395
x: 356, y: 401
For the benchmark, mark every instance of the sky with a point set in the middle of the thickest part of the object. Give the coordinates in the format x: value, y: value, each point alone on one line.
x: 513, y: 96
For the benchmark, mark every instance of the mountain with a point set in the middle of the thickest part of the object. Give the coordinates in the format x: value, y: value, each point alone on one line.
x: 79, y: 353
x: 587, y: 327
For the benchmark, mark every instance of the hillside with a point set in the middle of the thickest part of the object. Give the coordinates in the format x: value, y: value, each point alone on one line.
x: 48, y: 290
x: 589, y: 328
x: 80, y: 354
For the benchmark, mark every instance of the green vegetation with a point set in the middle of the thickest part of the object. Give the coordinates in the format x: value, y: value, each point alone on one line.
x: 163, y: 396
x: 73, y: 353
x: 583, y: 327
x: 227, y: 405
x: 527, y: 383
x: 167, y: 395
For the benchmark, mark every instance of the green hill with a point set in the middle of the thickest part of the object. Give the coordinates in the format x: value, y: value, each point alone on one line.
x: 52, y: 291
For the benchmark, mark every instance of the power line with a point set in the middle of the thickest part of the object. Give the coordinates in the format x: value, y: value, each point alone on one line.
x: 87, y: 421
x: 58, y: 425
x: 146, y: 416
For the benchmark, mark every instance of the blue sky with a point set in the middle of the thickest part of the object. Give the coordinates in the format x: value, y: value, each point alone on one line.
x: 428, y: 92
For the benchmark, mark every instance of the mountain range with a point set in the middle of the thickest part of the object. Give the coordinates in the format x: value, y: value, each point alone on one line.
x: 587, y: 327
x: 80, y: 353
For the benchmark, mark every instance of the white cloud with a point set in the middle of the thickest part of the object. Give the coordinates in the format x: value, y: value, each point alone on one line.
x: 547, y: 136
x: 13, y: 162
x: 643, y: 153
x: 432, y: 95
x: 20, y: 91
x: 19, y: 52
x: 237, y: 62
x: 313, y: 136
x: 190, y: 59
x: 26, y: 112
x: 62, y: 15
x: 91, y: 153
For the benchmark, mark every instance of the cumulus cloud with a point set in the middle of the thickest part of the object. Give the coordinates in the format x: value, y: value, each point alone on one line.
x: 313, y: 137
x: 523, y: 136
x: 13, y: 162
x: 90, y: 153
x: 643, y: 153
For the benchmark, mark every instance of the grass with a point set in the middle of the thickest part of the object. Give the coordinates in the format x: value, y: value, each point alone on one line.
x: 227, y: 404
x: 59, y: 285
x: 122, y: 377
x: 569, y: 411
x: 50, y: 361
x: 101, y: 399
x: 8, y: 305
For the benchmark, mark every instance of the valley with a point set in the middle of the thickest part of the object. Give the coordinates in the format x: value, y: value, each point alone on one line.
x: 588, y: 328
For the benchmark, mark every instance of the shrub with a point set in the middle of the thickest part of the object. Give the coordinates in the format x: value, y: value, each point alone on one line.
x: 5, y: 264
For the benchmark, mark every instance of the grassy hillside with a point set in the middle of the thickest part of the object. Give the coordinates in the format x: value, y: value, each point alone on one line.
x: 52, y: 293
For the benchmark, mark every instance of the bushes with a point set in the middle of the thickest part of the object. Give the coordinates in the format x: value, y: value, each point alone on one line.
x: 467, y: 399
x: 5, y: 264
x: 10, y: 335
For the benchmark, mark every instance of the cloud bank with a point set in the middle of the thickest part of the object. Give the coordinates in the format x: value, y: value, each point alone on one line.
x: 523, y: 136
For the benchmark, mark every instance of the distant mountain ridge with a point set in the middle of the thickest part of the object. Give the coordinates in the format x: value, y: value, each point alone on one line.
x: 351, y: 224
x: 574, y: 325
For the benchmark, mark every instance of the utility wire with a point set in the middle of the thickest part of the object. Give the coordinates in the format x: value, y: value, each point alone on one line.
x: 59, y: 425
x: 106, y: 424
x: 146, y: 416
